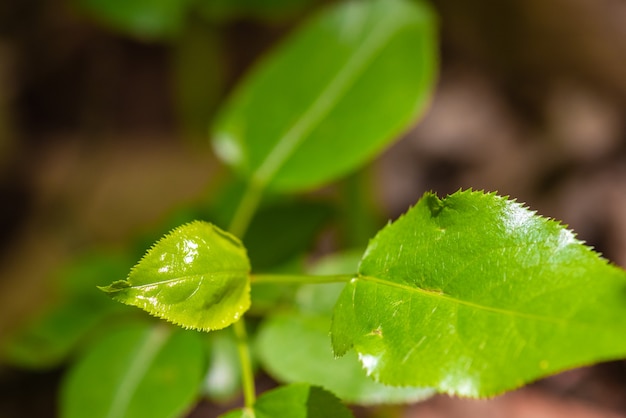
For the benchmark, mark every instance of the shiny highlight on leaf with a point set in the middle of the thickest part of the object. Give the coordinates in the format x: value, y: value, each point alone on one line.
x: 197, y: 277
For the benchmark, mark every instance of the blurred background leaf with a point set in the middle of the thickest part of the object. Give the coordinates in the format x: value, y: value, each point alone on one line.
x: 73, y: 319
x: 144, y: 19
x: 136, y: 371
x: 296, y: 400
x: 293, y: 122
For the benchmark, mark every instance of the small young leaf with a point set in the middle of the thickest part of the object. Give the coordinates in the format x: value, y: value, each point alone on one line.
x: 195, y: 277
x: 134, y: 372
x: 333, y: 96
x: 295, y: 401
x: 474, y: 295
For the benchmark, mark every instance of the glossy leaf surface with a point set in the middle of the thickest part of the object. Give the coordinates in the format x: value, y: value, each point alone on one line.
x: 295, y: 401
x: 195, y: 277
x: 138, y: 371
x: 296, y: 348
x: 474, y: 295
x: 332, y: 96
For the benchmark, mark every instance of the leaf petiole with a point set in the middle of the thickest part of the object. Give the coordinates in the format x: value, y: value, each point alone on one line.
x: 246, y: 209
x: 247, y: 374
x: 300, y: 278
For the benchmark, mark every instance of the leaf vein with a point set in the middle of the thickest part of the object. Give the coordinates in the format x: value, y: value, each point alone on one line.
x: 458, y: 302
x: 189, y: 277
x: 320, y: 107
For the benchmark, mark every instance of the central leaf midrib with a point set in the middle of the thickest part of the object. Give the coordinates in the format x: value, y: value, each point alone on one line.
x: 325, y: 101
x: 451, y: 299
x: 191, y: 277
x: 141, y: 361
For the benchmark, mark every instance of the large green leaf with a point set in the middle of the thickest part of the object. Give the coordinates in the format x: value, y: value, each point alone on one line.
x: 195, y: 277
x: 295, y: 401
x: 137, y: 371
x: 332, y: 96
x: 296, y: 348
x: 474, y: 295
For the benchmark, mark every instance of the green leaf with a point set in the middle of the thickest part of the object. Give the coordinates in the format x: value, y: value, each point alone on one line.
x: 332, y: 96
x: 320, y: 299
x: 195, y: 277
x: 222, y: 381
x: 475, y: 295
x: 296, y: 348
x: 292, y: 226
x: 144, y: 19
x: 295, y: 401
x: 135, y: 372
x: 53, y: 334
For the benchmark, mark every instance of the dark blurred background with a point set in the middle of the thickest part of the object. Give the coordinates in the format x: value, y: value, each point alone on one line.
x: 103, y: 131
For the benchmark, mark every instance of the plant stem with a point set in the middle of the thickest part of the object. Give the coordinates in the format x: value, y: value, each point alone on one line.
x: 294, y: 278
x: 245, y: 211
x: 238, y: 226
x: 247, y: 374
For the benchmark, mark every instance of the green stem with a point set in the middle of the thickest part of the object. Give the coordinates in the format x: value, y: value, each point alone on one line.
x: 246, y: 209
x: 247, y: 374
x: 294, y: 278
x: 238, y: 226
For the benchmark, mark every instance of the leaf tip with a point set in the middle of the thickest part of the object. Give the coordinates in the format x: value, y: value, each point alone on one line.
x: 115, y: 287
x: 434, y: 203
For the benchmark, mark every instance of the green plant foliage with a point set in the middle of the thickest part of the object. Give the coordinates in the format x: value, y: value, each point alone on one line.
x: 320, y: 299
x: 54, y: 333
x: 223, y: 379
x: 332, y: 96
x: 295, y: 401
x: 296, y: 348
x: 474, y: 295
x: 144, y: 19
x: 284, y: 340
x: 292, y: 226
x: 138, y: 371
x: 195, y: 277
